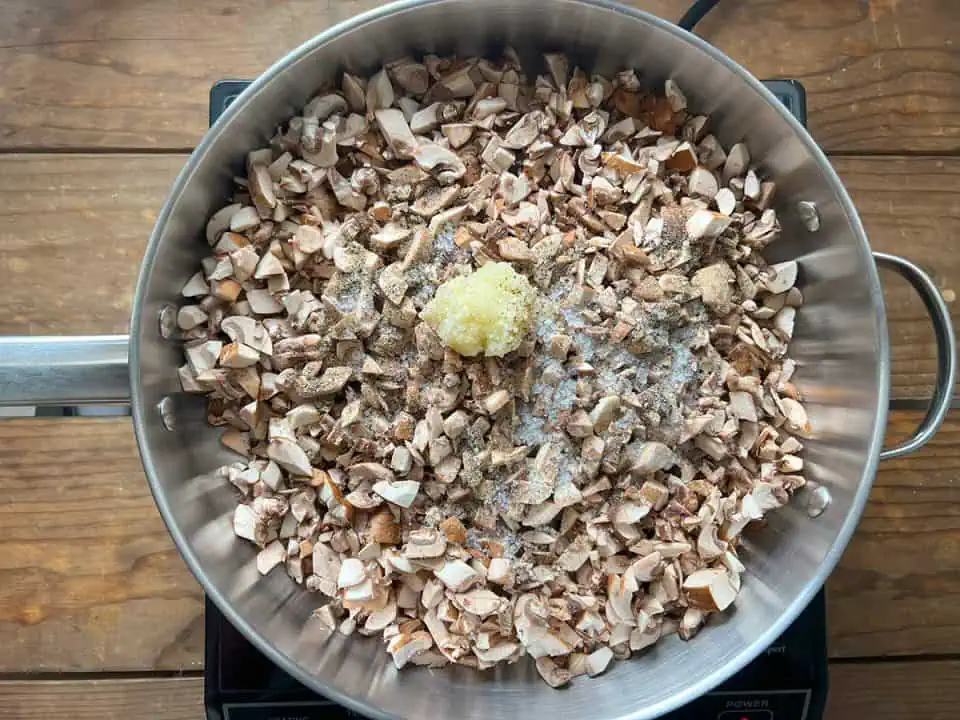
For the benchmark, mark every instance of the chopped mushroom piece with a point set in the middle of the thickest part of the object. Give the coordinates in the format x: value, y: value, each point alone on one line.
x: 246, y: 218
x: 196, y: 286
x: 271, y: 556
x: 352, y: 573
x: 706, y: 224
x: 597, y: 661
x: 238, y: 355
x: 190, y: 316
x: 426, y: 543
x: 737, y: 161
x: 551, y: 673
x: 399, y: 492
x: 403, y: 648
x: 289, y: 456
x: 784, y: 276
x: 709, y: 590
x: 796, y: 416
x: 703, y: 183
x: 396, y: 131
x: 245, y: 522
x: 726, y: 201
x: 457, y: 575
x: 203, y: 356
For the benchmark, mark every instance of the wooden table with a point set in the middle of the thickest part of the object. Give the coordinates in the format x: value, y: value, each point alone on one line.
x: 99, y: 103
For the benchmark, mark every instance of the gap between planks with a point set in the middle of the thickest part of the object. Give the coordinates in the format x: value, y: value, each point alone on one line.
x: 878, y: 691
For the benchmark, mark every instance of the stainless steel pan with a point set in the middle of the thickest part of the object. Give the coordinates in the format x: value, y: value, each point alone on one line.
x: 841, y: 345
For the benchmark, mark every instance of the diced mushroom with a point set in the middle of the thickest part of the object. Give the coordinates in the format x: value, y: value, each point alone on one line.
x: 238, y: 355
x: 203, y: 356
x: 190, y: 316
x: 706, y: 224
x: 742, y: 406
x: 454, y: 530
x: 425, y: 543
x: 480, y: 602
x: 220, y: 221
x: 396, y: 131
x: 703, y: 183
x: 196, y: 286
x: 457, y: 134
x: 709, y: 590
x: 457, y: 575
x: 403, y: 647
x: 245, y: 218
x: 726, y: 201
x: 500, y: 571
x: 245, y: 523
x: 290, y: 456
x: 443, y: 163
x: 496, y: 401
x: 597, y: 661
x: 271, y: 556
x: 398, y: 492
x: 796, y: 416
x: 247, y: 331
x: 737, y: 161
x: 380, y: 93
x: 411, y: 76
x: 551, y: 673
x: 783, y: 277
x: 604, y: 412
x: 648, y: 457
x: 384, y: 529
x: 351, y: 573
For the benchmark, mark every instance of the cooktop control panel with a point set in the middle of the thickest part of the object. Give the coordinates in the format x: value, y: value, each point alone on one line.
x: 765, y: 705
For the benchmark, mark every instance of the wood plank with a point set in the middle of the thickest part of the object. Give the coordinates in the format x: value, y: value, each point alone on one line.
x: 882, y: 75
x: 67, y: 220
x: 178, y: 698
x: 896, y: 590
x: 90, y: 579
x: 910, y: 207
x: 894, y: 691
x: 67, y: 224
x: 878, y: 691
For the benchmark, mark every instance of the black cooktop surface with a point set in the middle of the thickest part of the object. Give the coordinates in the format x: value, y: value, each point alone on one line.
x: 787, y: 682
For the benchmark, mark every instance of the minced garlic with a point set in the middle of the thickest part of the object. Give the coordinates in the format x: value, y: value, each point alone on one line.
x: 488, y: 311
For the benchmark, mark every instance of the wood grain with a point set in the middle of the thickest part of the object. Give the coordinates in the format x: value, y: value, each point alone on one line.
x: 878, y: 691
x: 910, y: 207
x: 894, y: 691
x: 109, y: 699
x: 67, y: 222
x: 90, y: 579
x: 882, y: 75
x: 73, y: 230
x: 896, y: 590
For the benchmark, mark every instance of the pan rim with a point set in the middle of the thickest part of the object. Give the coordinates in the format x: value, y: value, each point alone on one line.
x: 737, y: 660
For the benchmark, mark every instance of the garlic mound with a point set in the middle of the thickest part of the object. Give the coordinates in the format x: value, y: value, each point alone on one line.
x: 488, y: 311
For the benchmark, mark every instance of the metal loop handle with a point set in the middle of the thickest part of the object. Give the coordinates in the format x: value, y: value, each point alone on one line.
x: 946, y: 353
